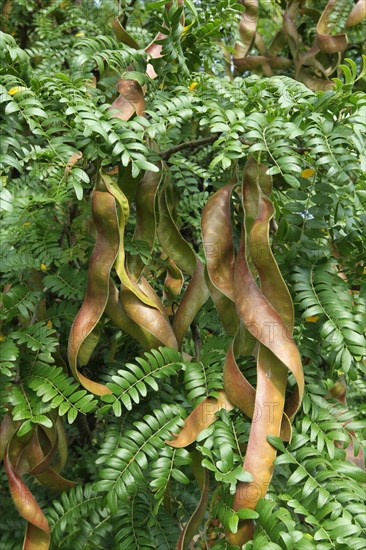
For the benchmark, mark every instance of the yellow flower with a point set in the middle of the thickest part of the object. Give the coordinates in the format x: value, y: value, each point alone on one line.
x: 2, y: 338
x: 186, y: 29
x: 16, y: 90
x: 307, y: 173
x: 312, y: 319
x: 26, y: 224
x: 49, y: 323
x: 364, y: 270
x: 192, y: 86
x: 79, y: 34
x: 43, y: 267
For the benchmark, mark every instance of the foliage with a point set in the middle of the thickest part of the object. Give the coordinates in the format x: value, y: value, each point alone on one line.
x: 128, y: 248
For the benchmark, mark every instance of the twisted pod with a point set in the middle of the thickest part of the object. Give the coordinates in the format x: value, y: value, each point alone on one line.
x: 33, y: 454
x: 251, y: 280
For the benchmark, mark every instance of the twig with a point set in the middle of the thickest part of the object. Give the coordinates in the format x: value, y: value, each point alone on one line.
x: 84, y: 430
x: 197, y: 341
x: 126, y: 15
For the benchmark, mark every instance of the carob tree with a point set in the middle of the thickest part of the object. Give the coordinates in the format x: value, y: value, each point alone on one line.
x: 210, y: 167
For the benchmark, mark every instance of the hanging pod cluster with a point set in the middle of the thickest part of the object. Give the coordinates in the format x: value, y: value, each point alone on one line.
x: 41, y: 453
x: 313, y: 65
x: 262, y: 316
x: 135, y: 307
x: 246, y: 286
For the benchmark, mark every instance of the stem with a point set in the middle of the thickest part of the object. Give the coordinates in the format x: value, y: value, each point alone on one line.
x: 197, y: 341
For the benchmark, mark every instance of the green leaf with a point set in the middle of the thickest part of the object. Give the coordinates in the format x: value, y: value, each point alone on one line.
x: 180, y: 476
x: 145, y: 165
x: 233, y: 521
x: 25, y: 428
x: 246, y: 513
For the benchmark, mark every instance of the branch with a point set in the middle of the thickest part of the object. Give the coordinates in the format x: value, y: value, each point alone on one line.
x: 193, y: 144
x: 188, y: 145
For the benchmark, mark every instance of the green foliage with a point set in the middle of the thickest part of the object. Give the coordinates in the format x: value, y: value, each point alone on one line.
x: 318, y: 490
x: 123, y: 470
x: 132, y: 383
x: 60, y: 391
x: 277, y: 529
x: 165, y: 469
x: 81, y: 510
x: 204, y: 377
x: 222, y: 452
x: 322, y: 293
